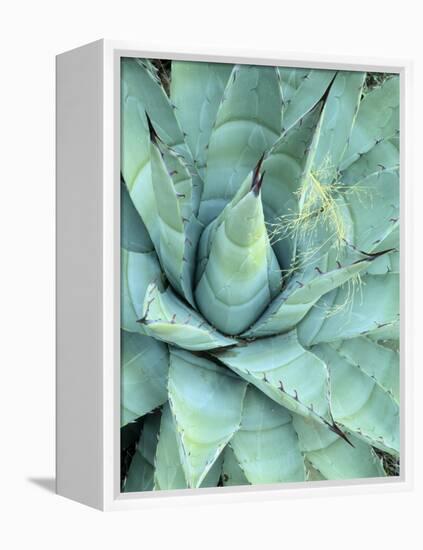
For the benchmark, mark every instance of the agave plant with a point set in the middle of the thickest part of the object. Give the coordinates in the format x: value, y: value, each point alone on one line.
x: 259, y: 275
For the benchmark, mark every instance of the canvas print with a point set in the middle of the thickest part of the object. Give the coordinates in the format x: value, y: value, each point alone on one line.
x: 259, y: 275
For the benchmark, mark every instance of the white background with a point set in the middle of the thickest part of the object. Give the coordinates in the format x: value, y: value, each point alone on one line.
x: 31, y: 34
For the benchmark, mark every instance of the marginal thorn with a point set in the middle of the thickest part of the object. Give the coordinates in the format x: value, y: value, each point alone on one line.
x: 153, y: 134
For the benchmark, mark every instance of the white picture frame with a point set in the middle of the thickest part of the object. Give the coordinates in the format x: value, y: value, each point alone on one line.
x: 88, y: 279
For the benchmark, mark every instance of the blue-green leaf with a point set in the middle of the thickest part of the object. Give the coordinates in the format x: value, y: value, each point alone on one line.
x: 141, y: 470
x: 301, y: 91
x: 196, y: 90
x: 169, y: 319
x: 248, y: 122
x: 282, y: 369
x: 359, y: 403
x: 266, y: 445
x: 142, y: 89
x: 179, y: 229
x: 240, y: 274
x: 301, y: 293
x: 169, y: 473
x: 134, y: 234
x: 339, y: 114
x: 144, y: 369
x: 232, y: 474
x: 283, y: 167
x: 377, y: 120
x: 378, y: 362
x: 206, y: 401
x: 332, y: 456
x: 138, y: 270
x: 352, y: 310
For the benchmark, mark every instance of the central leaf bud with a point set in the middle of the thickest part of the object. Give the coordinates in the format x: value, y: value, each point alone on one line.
x: 238, y: 273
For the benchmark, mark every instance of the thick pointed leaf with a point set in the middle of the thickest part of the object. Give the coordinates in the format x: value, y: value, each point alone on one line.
x: 332, y: 456
x: 339, y: 114
x: 302, y: 89
x: 232, y: 474
x: 206, y: 401
x: 141, y: 471
x: 168, y: 473
x: 374, y: 211
x: 291, y: 79
x: 281, y: 368
x: 166, y: 317
x: 241, y: 273
x: 359, y: 403
x: 383, y: 156
x: 137, y: 272
x: 141, y: 87
x: 377, y: 120
x: 134, y: 132
x: 136, y: 165
x: 323, y: 226
x: 266, y: 445
x: 178, y: 228
x: 283, y: 168
x: 352, y: 310
x: 248, y: 122
x: 134, y: 234
x: 313, y: 225
x: 144, y: 369
x: 378, y: 362
x: 196, y: 90
x: 287, y: 310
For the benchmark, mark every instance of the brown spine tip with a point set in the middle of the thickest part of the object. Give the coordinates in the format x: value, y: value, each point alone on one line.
x: 153, y: 134
x: 334, y: 428
x: 257, y: 177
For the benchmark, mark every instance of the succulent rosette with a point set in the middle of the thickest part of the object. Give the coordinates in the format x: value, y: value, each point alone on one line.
x: 259, y: 275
